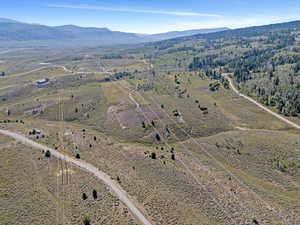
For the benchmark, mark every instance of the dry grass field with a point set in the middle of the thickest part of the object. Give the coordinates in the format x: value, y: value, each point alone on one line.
x: 39, y: 190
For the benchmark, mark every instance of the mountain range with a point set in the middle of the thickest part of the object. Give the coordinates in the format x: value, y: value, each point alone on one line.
x: 14, y: 34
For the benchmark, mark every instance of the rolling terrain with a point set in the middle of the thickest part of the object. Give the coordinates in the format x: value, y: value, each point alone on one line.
x: 174, y: 124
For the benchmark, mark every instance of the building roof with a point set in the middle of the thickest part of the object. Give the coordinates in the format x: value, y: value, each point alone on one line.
x: 45, y: 80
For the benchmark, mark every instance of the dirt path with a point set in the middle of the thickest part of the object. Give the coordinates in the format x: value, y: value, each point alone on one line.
x: 31, y: 71
x: 133, y: 100
x: 260, y: 105
x: 59, y: 66
x: 117, y: 189
x: 41, y: 68
x: 10, y: 86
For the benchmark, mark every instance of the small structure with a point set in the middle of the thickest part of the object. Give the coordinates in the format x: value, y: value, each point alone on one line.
x: 42, y: 83
x: 35, y: 132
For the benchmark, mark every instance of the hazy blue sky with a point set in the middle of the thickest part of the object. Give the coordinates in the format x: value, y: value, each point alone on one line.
x: 152, y: 16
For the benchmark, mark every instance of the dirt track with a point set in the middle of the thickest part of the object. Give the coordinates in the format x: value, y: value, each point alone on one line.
x: 117, y: 189
x: 260, y: 105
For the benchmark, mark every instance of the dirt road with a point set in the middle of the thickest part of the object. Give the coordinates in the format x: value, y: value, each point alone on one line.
x: 116, y: 188
x: 260, y: 105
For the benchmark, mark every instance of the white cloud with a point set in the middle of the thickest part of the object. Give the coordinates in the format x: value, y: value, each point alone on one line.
x: 162, y: 12
x: 231, y: 22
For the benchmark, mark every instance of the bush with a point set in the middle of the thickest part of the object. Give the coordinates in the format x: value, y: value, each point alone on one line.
x: 173, y: 156
x: 95, y: 195
x: 118, y: 179
x: 77, y: 156
x: 84, y: 196
x: 203, y: 108
x: 153, y: 155
x: 157, y: 137
x: 48, y: 154
x: 214, y: 86
x: 87, y: 220
x: 153, y: 123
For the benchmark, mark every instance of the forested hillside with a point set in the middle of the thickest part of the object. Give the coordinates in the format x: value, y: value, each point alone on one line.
x: 264, y: 61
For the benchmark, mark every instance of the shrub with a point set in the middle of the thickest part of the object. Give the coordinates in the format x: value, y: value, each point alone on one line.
x: 153, y: 155
x: 153, y: 123
x: 173, y: 156
x: 86, y: 220
x: 203, y: 108
x: 77, y: 156
x: 157, y: 137
x: 84, y: 196
x: 48, y: 154
x: 118, y: 179
x: 95, y: 195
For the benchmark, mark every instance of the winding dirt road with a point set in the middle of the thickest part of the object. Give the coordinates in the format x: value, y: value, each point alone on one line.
x: 88, y: 167
x: 260, y: 105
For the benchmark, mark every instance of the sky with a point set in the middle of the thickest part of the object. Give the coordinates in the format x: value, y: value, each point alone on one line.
x: 152, y: 16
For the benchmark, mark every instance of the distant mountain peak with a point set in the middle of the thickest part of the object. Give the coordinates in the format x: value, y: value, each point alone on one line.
x: 177, y: 34
x: 71, y: 26
x: 18, y: 33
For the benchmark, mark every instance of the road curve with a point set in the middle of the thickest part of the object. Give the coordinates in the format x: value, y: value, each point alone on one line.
x: 88, y: 167
x: 260, y: 105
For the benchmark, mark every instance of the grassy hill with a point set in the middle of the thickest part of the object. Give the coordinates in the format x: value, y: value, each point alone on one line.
x: 264, y: 61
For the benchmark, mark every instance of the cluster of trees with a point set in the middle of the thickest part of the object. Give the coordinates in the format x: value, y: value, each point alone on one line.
x: 116, y: 76
x: 214, y: 86
x: 268, y: 69
x: 121, y: 75
x: 213, y: 74
x: 285, y: 97
x: 12, y: 121
x: 154, y: 156
x: 181, y: 49
x: 147, y: 126
x: 111, y: 57
x: 272, y: 86
x: 210, y: 61
x: 94, y: 194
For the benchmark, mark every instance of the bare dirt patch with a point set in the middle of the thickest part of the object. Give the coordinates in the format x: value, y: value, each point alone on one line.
x: 127, y: 116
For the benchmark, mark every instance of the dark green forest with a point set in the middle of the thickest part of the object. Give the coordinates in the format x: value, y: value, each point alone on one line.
x: 264, y: 61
